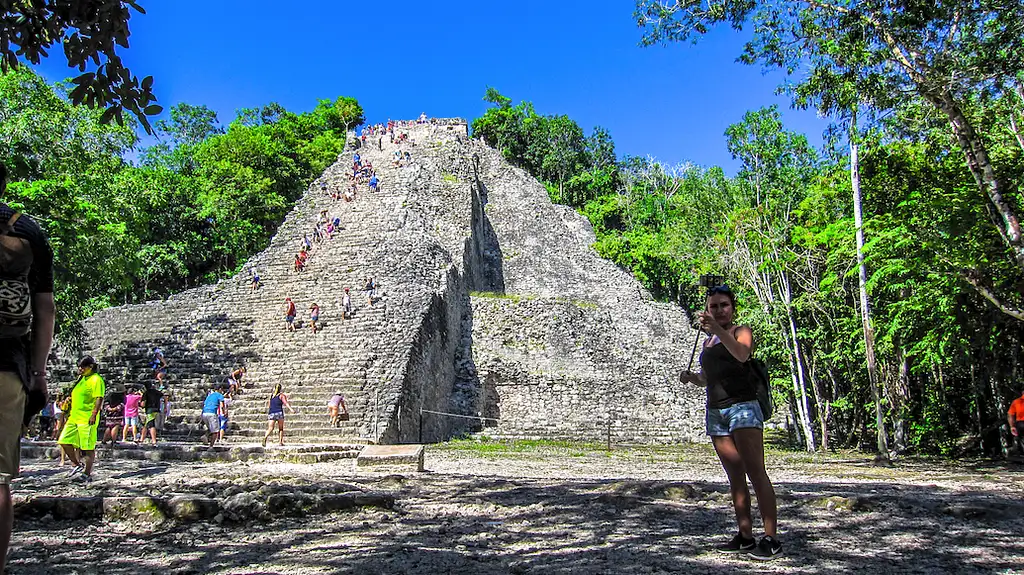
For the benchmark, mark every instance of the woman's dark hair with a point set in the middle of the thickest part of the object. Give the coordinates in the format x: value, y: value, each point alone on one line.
x: 88, y: 361
x: 724, y: 290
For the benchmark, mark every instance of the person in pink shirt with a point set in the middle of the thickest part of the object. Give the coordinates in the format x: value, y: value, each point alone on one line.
x: 131, y: 414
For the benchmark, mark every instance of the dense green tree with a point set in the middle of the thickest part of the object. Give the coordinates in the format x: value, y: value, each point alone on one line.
x: 947, y: 56
x: 552, y: 148
x: 87, y: 31
x: 197, y: 204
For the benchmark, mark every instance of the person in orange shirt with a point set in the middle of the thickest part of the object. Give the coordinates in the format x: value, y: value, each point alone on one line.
x: 1015, y: 417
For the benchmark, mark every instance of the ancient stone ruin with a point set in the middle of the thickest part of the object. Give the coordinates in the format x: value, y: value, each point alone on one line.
x: 493, y: 315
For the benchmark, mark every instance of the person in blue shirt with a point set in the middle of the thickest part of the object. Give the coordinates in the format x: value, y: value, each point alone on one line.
x: 373, y: 182
x: 213, y: 406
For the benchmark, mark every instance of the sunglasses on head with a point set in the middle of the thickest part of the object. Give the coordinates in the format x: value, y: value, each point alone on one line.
x: 719, y: 289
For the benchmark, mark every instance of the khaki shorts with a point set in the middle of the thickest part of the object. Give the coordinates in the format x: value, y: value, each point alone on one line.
x: 12, y: 410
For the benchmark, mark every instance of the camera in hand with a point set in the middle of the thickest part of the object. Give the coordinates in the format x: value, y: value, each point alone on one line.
x: 710, y: 281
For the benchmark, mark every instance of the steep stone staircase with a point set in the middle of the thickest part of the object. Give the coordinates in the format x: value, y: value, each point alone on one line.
x: 234, y: 326
x: 337, y: 358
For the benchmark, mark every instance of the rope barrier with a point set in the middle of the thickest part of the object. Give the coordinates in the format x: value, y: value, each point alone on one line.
x: 458, y: 415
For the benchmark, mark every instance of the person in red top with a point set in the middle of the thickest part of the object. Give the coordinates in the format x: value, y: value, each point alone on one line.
x: 289, y: 314
x: 1015, y: 417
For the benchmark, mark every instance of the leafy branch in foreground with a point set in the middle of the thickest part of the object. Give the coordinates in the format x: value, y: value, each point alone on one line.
x: 90, y: 31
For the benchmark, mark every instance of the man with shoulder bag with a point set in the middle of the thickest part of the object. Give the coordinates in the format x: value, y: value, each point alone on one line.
x: 26, y: 334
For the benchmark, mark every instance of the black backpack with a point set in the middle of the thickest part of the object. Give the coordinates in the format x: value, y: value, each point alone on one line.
x: 15, y: 294
x: 763, y: 387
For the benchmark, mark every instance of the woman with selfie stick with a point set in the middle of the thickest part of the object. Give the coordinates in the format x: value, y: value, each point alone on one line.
x: 735, y: 421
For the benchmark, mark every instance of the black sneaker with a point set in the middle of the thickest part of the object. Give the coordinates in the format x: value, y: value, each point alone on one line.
x: 769, y: 548
x: 738, y: 544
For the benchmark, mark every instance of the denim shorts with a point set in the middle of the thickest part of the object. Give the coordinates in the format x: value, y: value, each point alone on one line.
x: 746, y: 414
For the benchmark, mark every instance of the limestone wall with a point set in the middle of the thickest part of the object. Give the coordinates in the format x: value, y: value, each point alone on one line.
x: 492, y: 304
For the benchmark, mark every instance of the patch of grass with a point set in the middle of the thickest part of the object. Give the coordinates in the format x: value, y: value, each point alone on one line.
x: 580, y: 303
x: 513, y: 297
x: 450, y: 178
x: 488, y: 446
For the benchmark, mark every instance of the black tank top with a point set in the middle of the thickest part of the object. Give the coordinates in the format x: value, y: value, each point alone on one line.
x: 729, y: 380
x: 276, y: 405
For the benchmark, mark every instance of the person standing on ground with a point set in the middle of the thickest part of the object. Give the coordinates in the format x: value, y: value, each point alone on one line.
x: 165, y: 407
x: 113, y: 417
x: 289, y: 313
x: 132, y: 401
x: 152, y: 398
x: 212, y: 408
x: 1015, y: 417
x: 60, y: 415
x: 26, y: 334
x: 735, y: 421
x: 45, y: 421
x: 275, y: 414
x: 78, y: 440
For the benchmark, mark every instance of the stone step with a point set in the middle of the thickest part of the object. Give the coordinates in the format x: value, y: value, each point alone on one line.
x: 291, y: 421
x: 176, y: 451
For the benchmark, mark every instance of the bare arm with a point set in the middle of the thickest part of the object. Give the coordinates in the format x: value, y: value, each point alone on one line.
x: 43, y: 313
x: 1011, y: 418
x: 739, y: 340
x: 96, y: 410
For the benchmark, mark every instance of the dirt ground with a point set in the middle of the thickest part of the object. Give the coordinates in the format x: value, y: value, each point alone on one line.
x: 490, y: 508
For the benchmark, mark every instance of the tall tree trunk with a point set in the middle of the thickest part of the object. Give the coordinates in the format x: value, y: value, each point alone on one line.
x: 821, y: 400
x: 899, y: 396
x: 1004, y: 217
x: 1005, y: 443
x: 799, y: 371
x: 979, y: 418
x: 862, y: 276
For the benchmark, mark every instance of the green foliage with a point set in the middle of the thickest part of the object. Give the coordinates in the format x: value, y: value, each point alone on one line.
x: 554, y: 149
x: 89, y: 31
x: 200, y: 202
x: 925, y: 70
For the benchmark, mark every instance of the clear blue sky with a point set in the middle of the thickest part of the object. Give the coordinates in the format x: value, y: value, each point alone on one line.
x: 400, y: 58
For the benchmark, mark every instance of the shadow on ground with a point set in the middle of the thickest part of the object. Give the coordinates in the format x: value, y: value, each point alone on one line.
x: 454, y: 524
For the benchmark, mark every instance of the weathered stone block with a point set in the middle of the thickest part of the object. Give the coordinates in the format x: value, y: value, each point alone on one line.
x: 401, y: 456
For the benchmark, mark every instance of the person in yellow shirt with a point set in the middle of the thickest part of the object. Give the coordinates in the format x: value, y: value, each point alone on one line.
x: 78, y: 439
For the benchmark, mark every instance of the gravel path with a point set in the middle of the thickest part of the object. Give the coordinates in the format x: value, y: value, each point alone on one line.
x: 493, y: 509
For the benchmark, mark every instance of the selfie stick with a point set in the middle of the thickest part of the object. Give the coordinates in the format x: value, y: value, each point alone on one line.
x: 685, y: 304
